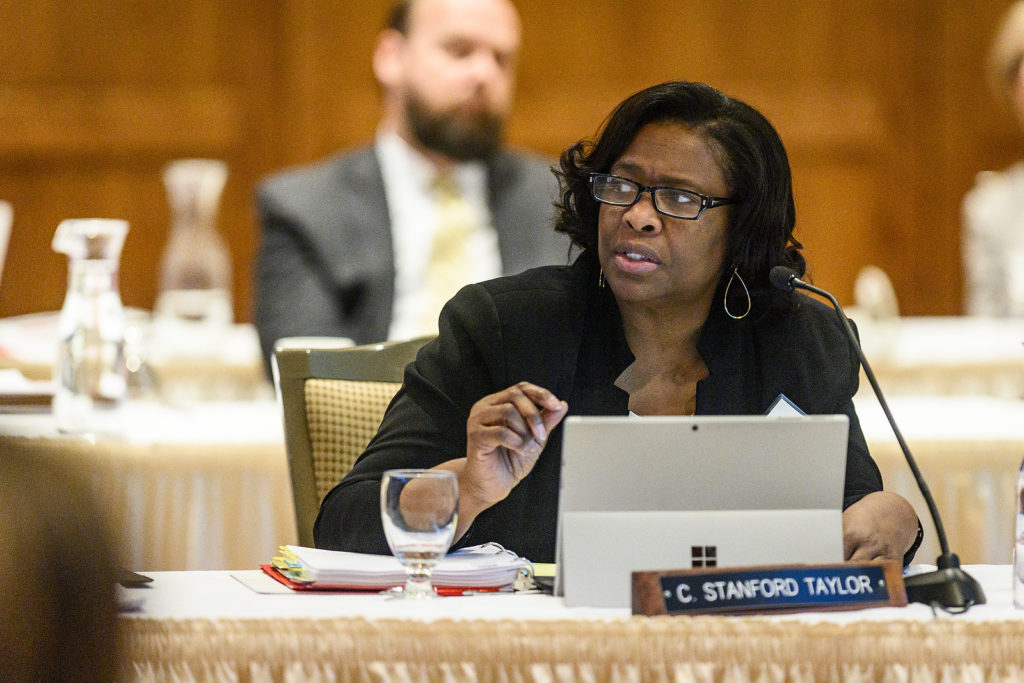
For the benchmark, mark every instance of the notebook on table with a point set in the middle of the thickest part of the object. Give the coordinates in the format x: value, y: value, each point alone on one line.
x: 655, y: 493
x: 480, y: 568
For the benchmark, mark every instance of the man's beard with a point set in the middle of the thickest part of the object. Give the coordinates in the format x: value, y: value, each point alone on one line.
x: 456, y: 134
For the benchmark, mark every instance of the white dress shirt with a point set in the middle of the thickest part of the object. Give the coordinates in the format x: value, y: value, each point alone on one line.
x: 413, y: 213
x: 993, y: 244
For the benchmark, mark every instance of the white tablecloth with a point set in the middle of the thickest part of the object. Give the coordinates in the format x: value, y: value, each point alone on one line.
x: 209, y: 626
x: 250, y: 594
x: 207, y: 487
x: 946, y: 355
x: 182, y: 361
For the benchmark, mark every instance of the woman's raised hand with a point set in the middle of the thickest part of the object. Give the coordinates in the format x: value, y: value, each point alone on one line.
x: 506, y: 433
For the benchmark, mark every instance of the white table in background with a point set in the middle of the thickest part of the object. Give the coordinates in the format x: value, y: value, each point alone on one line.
x: 969, y: 449
x: 203, y: 486
x: 207, y: 486
x: 187, y: 363
x: 954, y: 355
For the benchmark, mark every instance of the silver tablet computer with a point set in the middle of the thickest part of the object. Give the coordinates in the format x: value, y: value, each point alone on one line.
x: 654, y: 493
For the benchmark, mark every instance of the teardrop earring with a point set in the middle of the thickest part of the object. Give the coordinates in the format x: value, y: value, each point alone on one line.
x: 725, y: 298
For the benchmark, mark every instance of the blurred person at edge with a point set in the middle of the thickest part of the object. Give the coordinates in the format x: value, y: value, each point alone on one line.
x: 682, y: 207
x: 58, y: 609
x: 345, y: 242
x: 993, y: 210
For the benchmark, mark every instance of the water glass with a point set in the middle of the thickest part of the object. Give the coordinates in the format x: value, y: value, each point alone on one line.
x: 419, y: 509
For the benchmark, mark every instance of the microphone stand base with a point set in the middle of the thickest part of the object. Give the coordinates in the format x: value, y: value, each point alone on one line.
x: 948, y: 587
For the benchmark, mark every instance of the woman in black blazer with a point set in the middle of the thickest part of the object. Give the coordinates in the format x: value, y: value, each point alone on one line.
x: 681, y: 206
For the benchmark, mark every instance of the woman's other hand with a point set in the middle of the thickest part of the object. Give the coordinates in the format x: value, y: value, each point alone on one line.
x: 879, y: 526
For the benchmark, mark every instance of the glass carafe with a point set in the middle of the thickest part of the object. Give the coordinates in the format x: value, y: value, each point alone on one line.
x: 195, y: 269
x: 90, y: 372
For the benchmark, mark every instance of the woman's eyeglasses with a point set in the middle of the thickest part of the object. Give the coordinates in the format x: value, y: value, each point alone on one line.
x: 671, y: 201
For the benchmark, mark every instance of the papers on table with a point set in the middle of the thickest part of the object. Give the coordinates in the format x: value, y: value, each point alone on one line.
x: 487, y: 566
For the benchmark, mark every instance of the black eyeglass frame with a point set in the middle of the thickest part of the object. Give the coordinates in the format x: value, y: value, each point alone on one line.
x: 706, y: 202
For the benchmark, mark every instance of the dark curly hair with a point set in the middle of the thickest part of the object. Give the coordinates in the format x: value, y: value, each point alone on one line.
x: 753, y: 161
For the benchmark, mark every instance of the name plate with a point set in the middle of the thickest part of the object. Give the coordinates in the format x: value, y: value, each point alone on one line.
x: 779, y: 588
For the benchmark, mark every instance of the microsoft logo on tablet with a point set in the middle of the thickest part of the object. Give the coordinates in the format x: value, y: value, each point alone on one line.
x: 703, y: 556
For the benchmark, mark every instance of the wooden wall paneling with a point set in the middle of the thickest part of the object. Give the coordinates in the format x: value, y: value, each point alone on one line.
x: 248, y: 61
x: 923, y: 241
x: 42, y: 120
x: 576, y: 64
x: 835, y: 133
x: 34, y: 277
x: 831, y: 199
x: 978, y: 130
x: 942, y: 120
x: 878, y: 102
x: 871, y: 44
x: 108, y: 93
x: 328, y: 96
x: 797, y: 62
x: 984, y: 134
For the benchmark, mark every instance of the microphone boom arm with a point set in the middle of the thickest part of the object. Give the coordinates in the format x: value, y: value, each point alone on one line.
x: 926, y: 493
x: 949, y: 587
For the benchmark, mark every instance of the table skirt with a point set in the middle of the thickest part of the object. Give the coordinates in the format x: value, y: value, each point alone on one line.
x: 705, y: 649
x: 180, y: 506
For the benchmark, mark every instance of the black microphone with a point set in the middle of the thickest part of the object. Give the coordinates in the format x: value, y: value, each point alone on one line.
x: 948, y: 587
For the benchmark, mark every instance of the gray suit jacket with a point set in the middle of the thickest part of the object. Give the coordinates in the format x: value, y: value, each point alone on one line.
x: 326, y: 263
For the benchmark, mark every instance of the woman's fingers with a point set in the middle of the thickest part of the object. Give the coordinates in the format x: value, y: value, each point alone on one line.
x: 524, y: 413
x: 524, y: 400
x: 553, y: 417
x: 504, y: 417
x: 490, y: 438
x: 530, y: 401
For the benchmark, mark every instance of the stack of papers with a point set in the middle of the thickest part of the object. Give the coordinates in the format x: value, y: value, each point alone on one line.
x: 487, y: 566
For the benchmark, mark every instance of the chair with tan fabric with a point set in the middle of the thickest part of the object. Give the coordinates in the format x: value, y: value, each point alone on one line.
x: 333, y: 396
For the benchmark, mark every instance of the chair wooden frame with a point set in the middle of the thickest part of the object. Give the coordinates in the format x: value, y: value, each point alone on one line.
x: 299, y: 359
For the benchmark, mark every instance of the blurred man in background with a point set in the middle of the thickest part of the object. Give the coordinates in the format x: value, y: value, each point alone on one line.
x: 369, y: 244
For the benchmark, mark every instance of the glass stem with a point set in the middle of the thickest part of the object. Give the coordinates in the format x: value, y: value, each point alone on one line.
x: 417, y: 584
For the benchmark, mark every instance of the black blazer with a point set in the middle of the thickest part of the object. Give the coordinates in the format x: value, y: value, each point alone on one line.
x: 554, y: 327
x: 326, y: 262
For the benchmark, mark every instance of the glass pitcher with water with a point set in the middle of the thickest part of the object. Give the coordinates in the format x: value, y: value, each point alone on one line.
x: 90, y: 372
x: 195, y: 269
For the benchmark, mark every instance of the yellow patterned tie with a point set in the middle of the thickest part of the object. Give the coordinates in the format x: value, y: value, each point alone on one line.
x: 449, y: 252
